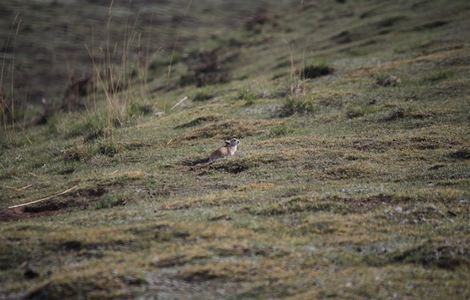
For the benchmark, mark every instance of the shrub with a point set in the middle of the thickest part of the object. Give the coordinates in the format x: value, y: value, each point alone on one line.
x: 93, y: 126
x: 297, y: 106
x: 248, y: 95
x: 107, y: 148
x: 314, y: 71
x: 138, y: 109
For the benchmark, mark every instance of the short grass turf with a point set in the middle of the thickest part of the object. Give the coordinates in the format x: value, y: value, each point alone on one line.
x: 352, y: 182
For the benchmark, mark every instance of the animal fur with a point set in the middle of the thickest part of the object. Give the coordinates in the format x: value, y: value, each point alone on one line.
x: 231, y: 146
x: 229, y: 149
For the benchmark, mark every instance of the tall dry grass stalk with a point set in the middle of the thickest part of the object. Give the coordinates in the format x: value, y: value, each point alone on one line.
x: 8, y: 105
x: 119, y: 76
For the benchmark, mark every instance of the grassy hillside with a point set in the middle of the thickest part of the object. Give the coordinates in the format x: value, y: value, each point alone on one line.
x: 352, y: 178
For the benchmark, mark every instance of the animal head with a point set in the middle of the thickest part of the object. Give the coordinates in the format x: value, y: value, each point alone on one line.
x: 232, y: 142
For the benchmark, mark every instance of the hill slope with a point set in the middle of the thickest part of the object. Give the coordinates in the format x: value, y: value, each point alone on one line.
x: 351, y: 180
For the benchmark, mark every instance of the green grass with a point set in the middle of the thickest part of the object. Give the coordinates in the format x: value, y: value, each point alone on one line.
x: 247, y: 95
x: 203, y: 95
x: 342, y: 187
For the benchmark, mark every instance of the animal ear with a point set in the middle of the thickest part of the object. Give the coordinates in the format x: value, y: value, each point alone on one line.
x: 227, y: 142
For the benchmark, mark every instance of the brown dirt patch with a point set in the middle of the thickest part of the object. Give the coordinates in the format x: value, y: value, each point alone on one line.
x: 57, y: 205
x: 8, y: 215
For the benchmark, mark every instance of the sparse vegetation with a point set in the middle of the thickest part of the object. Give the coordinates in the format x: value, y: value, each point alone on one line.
x: 137, y: 109
x: 360, y: 190
x: 202, y: 96
x: 110, y: 201
x: 248, y: 95
x: 387, y: 80
x: 91, y: 127
x: 439, y: 76
x: 298, y: 105
x: 314, y: 71
x: 280, y: 131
